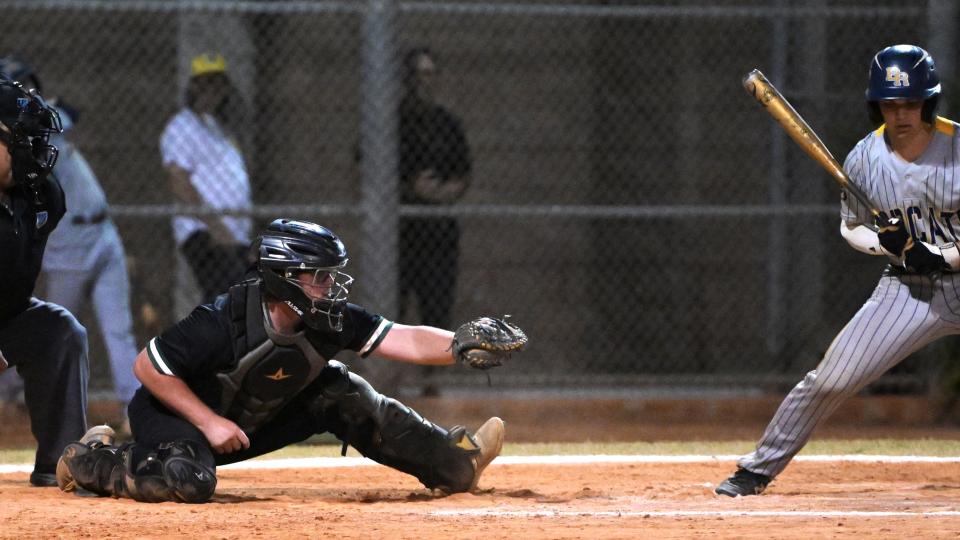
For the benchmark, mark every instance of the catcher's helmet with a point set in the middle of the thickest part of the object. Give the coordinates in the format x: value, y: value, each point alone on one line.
x: 301, y: 264
x: 26, y: 123
x: 903, y: 72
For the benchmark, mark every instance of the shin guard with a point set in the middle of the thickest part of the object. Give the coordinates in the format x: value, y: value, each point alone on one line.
x: 390, y: 433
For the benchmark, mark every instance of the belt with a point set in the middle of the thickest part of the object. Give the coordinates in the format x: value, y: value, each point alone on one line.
x: 89, y: 220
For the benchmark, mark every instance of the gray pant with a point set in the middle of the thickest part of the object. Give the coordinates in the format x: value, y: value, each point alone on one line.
x: 904, y: 314
x: 49, y: 349
x: 105, y: 284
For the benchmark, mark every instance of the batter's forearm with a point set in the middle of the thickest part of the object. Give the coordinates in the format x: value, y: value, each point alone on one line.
x: 866, y: 240
x: 861, y: 238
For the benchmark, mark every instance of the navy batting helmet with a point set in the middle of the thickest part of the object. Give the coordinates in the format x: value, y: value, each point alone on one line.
x: 903, y: 72
x: 301, y: 264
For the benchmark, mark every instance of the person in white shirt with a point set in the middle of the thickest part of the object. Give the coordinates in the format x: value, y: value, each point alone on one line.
x: 205, y: 167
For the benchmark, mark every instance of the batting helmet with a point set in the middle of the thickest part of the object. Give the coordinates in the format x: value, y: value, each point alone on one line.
x: 301, y: 264
x: 27, y: 123
x: 903, y: 72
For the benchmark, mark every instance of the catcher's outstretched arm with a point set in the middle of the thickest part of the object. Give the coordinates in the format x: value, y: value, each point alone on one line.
x: 424, y: 345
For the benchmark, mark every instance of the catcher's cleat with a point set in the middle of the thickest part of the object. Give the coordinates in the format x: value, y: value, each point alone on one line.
x: 743, y: 483
x: 489, y: 439
x: 94, y: 437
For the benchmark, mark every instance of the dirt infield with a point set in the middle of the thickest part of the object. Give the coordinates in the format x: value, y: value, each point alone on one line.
x: 598, y: 500
x: 617, y: 501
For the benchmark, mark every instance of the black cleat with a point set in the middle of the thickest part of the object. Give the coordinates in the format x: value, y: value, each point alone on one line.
x: 743, y: 483
x: 39, y: 479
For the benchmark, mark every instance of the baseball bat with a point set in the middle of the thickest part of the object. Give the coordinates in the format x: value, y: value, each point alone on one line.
x: 801, y: 133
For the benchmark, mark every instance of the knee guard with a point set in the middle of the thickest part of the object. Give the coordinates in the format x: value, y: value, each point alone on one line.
x: 95, y: 467
x: 180, y: 471
x: 389, y: 432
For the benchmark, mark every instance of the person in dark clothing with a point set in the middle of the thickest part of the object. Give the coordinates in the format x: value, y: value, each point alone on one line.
x: 435, y: 170
x: 42, y: 340
x: 255, y: 371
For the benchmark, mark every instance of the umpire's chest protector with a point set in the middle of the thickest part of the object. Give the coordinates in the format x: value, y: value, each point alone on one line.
x: 269, y: 368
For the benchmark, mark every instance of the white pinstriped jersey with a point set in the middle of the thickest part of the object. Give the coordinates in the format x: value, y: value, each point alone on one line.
x: 924, y: 193
x: 906, y: 311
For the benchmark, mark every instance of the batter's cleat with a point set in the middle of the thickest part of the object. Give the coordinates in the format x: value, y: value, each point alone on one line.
x: 490, y: 440
x: 95, y: 437
x: 743, y: 483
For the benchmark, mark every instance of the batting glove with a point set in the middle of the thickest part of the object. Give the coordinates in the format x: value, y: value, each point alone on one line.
x: 894, y: 239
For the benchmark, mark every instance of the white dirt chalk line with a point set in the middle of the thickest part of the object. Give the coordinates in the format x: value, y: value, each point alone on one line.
x: 475, y: 512
x: 336, y: 462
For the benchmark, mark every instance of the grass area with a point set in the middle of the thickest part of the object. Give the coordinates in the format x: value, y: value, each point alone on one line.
x: 891, y: 447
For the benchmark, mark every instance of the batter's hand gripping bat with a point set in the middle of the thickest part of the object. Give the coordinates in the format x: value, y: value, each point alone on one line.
x: 778, y: 107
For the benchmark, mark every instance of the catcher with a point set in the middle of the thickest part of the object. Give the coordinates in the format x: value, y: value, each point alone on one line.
x: 254, y: 372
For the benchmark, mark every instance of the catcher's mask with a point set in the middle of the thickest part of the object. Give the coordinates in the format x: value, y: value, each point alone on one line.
x: 301, y: 264
x: 26, y: 123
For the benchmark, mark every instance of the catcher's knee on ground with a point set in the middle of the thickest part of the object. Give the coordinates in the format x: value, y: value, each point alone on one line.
x: 182, y: 471
x: 388, y: 432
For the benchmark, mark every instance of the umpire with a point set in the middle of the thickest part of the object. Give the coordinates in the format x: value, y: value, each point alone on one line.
x: 43, y: 340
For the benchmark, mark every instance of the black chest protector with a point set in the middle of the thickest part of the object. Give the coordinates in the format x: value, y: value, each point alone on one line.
x: 269, y: 369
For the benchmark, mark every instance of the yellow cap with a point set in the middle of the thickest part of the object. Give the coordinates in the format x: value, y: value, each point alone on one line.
x: 206, y: 63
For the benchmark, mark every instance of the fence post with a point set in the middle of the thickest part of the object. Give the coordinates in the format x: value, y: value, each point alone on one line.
x: 379, y: 147
x: 777, y: 197
x: 941, y: 22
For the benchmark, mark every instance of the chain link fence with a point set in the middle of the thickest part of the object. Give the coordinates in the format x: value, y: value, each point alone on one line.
x: 622, y: 197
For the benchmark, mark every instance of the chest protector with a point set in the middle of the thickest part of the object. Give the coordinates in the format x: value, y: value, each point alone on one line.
x: 269, y: 368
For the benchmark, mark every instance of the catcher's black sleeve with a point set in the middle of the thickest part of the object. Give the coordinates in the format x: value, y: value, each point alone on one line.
x: 367, y: 330
x: 200, y: 343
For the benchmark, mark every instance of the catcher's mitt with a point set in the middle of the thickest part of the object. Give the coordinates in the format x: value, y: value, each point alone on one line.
x: 486, y: 342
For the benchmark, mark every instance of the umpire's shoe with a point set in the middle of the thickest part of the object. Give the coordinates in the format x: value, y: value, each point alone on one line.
x: 490, y: 440
x: 743, y: 482
x: 42, y: 479
x: 96, y: 436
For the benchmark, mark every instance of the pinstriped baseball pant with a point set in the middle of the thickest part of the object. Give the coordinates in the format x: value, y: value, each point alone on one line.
x: 904, y: 313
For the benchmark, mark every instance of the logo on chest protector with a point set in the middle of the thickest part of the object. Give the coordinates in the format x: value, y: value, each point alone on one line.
x: 281, y: 372
x: 279, y: 375
x: 42, y: 217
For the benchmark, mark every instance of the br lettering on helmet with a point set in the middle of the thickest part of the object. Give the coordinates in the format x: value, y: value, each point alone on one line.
x: 301, y: 264
x: 903, y: 72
